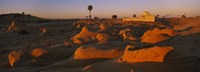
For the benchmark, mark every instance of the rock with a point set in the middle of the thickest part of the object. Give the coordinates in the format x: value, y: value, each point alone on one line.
x: 104, y: 27
x: 103, y: 37
x: 124, y: 31
x: 14, y: 56
x: 154, y: 38
x: 12, y: 27
x: 127, y: 34
x: 152, y: 54
x: 38, y: 52
x: 87, y: 34
x: 156, y: 35
x: 99, y: 50
x: 157, y: 31
x: 43, y: 31
x: 167, y: 31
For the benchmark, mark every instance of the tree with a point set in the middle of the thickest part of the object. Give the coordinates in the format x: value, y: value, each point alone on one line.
x: 23, y: 17
x: 29, y: 17
x: 157, y: 15
x: 183, y: 16
x: 96, y: 17
x: 23, y: 13
x: 114, y: 17
x: 134, y: 15
x: 90, y: 9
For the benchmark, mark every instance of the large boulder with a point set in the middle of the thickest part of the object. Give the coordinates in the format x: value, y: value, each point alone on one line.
x: 100, y: 50
x: 87, y: 34
x: 14, y: 56
x: 157, y: 31
x: 152, y: 54
x: 154, y: 38
x: 156, y: 35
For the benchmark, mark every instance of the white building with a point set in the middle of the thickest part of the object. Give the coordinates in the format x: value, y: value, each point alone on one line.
x: 146, y: 17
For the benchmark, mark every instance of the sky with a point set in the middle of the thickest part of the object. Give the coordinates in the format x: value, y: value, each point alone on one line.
x: 67, y: 9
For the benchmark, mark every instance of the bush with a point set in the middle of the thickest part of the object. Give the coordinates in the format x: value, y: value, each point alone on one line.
x: 114, y: 17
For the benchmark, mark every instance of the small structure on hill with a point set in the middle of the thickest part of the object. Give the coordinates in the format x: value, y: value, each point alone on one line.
x: 145, y: 17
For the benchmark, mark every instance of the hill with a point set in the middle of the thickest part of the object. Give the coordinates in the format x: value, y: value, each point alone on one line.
x: 17, y: 17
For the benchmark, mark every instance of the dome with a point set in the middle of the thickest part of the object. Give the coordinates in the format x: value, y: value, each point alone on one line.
x: 145, y: 13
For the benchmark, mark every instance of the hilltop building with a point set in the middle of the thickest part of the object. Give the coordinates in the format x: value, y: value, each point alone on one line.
x: 146, y: 17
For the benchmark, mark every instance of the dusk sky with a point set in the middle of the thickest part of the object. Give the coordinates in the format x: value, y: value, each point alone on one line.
x: 101, y: 8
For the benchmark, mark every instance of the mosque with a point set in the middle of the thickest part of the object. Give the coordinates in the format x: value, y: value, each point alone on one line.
x: 145, y: 17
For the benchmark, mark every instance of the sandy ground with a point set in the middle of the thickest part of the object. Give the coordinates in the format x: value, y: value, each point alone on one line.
x: 57, y: 41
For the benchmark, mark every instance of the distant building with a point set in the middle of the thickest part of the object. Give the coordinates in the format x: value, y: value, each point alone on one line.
x: 146, y: 17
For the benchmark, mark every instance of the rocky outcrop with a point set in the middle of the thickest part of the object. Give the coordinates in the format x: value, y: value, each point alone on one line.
x: 43, y: 31
x: 100, y: 50
x: 14, y: 56
x: 127, y: 34
x: 152, y: 54
x: 87, y: 34
x: 12, y: 27
x: 156, y: 35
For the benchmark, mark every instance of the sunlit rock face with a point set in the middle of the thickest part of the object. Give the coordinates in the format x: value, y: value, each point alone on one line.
x: 100, y: 50
x: 87, y: 34
x: 156, y: 35
x: 104, y: 27
x: 103, y: 37
x: 12, y: 27
x: 14, y: 56
x: 157, y: 31
x: 38, y: 52
x: 127, y: 34
x: 152, y: 54
x: 43, y: 31
x: 155, y: 38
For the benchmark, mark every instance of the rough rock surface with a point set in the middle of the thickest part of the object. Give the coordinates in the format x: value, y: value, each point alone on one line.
x: 99, y: 50
x: 156, y: 35
x: 153, y: 54
x: 87, y: 34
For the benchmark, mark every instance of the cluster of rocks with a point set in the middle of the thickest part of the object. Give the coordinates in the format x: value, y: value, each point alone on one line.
x: 115, y: 47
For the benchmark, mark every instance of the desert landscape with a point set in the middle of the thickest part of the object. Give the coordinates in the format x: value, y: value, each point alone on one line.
x: 96, y: 45
x: 141, y: 43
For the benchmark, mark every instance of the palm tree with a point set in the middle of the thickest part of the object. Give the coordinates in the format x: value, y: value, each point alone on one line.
x: 90, y: 9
